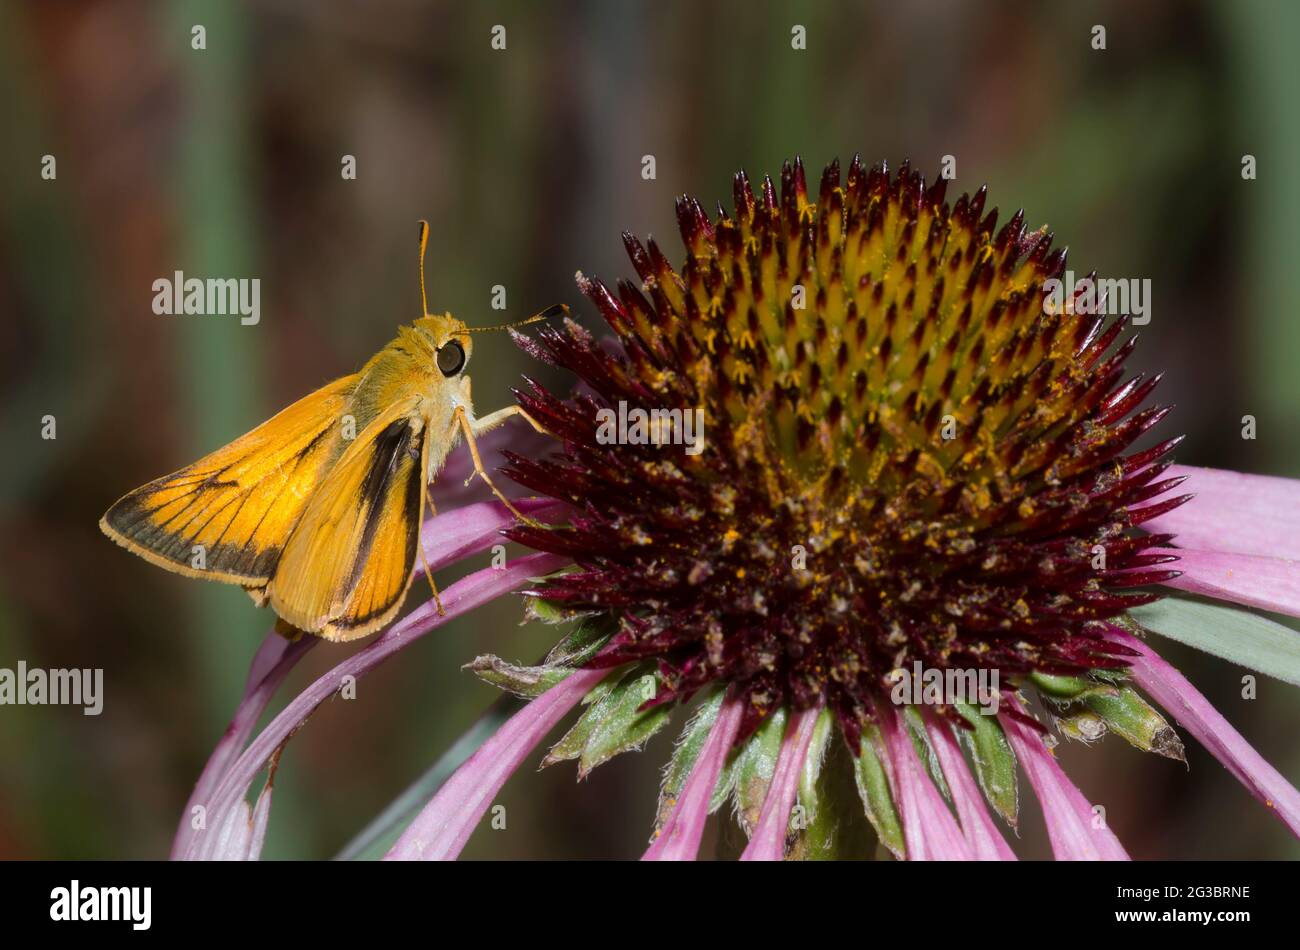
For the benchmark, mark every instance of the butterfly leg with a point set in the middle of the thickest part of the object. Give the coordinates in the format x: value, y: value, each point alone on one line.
x: 461, y: 417
x: 419, y: 543
x: 494, y: 419
x: 419, y: 539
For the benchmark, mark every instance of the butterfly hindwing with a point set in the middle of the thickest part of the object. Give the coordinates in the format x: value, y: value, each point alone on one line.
x: 348, y: 563
x: 228, y: 516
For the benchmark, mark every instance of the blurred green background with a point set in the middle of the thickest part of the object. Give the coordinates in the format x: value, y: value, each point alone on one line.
x: 226, y: 162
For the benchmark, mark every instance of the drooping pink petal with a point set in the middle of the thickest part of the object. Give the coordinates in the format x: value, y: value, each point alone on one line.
x: 232, y: 839
x: 442, y: 828
x: 461, y: 597
x: 271, y: 664
x: 242, y: 833
x: 1271, y: 583
x: 929, y: 828
x: 767, y: 843
x: 679, y: 838
x: 1236, y: 512
x: 446, y: 539
x: 1074, y: 830
x: 1171, y: 690
x: 261, y: 818
x: 977, y: 825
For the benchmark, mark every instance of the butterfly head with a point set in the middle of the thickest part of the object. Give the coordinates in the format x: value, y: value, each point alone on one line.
x: 449, y: 340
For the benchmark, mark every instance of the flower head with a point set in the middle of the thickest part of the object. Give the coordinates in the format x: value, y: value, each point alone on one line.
x: 908, y: 456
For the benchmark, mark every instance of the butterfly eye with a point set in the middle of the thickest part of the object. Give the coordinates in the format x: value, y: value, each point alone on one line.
x: 451, y: 358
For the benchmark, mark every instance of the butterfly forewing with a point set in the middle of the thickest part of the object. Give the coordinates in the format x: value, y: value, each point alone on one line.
x: 228, y: 516
x: 348, y: 562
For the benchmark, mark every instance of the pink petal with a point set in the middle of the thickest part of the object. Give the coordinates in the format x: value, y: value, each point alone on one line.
x: 1232, y: 511
x: 1193, y: 712
x: 977, y: 825
x: 1068, y: 814
x: 271, y: 664
x: 461, y: 597
x: 768, y: 840
x: 446, y: 539
x: 232, y: 840
x: 1271, y: 583
x: 243, y: 832
x: 443, y: 827
x: 454, y: 534
x: 261, y: 817
x: 679, y: 838
x: 931, y: 831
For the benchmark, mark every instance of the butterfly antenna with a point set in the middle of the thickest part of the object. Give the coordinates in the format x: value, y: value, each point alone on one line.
x: 557, y: 310
x: 424, y: 244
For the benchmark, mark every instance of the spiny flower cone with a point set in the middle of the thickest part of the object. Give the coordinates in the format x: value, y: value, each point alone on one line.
x: 909, y: 454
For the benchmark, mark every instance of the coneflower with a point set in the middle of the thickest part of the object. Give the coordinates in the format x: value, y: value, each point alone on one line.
x: 914, y: 458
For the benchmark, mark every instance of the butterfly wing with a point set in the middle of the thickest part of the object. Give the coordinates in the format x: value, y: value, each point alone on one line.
x: 348, y: 563
x: 240, y: 503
